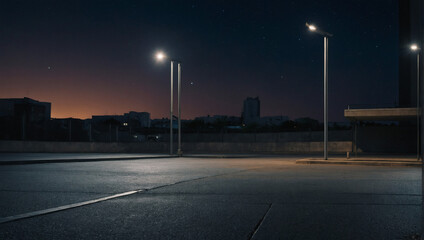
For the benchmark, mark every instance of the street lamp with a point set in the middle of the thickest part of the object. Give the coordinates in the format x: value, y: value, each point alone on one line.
x: 416, y: 49
x: 160, y: 56
x: 311, y: 27
x: 326, y: 35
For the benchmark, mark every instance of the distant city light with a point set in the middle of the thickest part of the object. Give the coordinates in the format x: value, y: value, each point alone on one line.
x: 414, y: 47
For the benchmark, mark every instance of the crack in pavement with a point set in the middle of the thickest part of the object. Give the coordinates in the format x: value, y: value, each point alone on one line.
x: 259, y: 224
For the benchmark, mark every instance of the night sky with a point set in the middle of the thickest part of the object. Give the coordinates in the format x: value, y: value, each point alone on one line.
x: 96, y: 57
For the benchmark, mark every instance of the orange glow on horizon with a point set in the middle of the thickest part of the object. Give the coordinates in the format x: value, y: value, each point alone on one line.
x: 83, y: 99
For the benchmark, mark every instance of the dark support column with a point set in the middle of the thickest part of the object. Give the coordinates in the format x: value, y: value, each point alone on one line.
x: 355, y: 138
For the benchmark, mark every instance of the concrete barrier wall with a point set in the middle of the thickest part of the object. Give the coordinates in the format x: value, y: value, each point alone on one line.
x: 310, y: 136
x: 82, y: 147
x: 275, y: 148
x: 158, y: 147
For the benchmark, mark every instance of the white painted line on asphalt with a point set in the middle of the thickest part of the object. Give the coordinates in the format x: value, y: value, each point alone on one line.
x: 65, y: 207
x: 80, y: 204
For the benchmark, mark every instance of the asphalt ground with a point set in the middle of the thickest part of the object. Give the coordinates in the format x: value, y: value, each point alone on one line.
x: 207, y: 198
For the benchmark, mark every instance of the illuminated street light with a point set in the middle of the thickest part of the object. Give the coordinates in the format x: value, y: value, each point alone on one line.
x: 313, y: 28
x: 326, y: 35
x: 415, y: 48
x: 160, y: 56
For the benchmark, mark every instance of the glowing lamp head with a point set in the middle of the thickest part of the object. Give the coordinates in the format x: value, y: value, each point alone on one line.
x: 312, y: 28
x: 414, y: 47
x: 160, y: 56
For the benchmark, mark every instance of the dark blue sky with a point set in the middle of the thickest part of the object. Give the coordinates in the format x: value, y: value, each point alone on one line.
x: 96, y: 57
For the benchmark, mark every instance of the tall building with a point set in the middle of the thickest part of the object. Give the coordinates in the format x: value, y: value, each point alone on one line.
x: 411, y: 24
x: 251, y: 111
x: 406, y: 138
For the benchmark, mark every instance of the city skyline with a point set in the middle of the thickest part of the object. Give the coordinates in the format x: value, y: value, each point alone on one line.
x: 90, y: 60
x: 39, y: 101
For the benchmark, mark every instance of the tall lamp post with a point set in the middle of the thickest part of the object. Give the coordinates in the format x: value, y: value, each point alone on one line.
x: 416, y: 49
x: 179, y: 152
x: 160, y: 56
x: 326, y: 35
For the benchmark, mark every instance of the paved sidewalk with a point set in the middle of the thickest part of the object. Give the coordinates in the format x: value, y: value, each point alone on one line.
x: 366, y: 161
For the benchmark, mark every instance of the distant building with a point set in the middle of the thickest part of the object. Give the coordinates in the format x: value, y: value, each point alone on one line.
x: 133, y: 119
x: 138, y: 119
x: 164, y: 123
x: 68, y: 129
x: 251, y: 111
x: 231, y: 120
x: 103, y: 118
x: 24, y: 118
x: 160, y: 123
x: 208, y: 119
x: 33, y: 108
x: 273, y: 120
x: 126, y: 127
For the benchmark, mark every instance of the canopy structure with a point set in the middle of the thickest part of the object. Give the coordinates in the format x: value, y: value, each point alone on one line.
x: 381, y: 114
